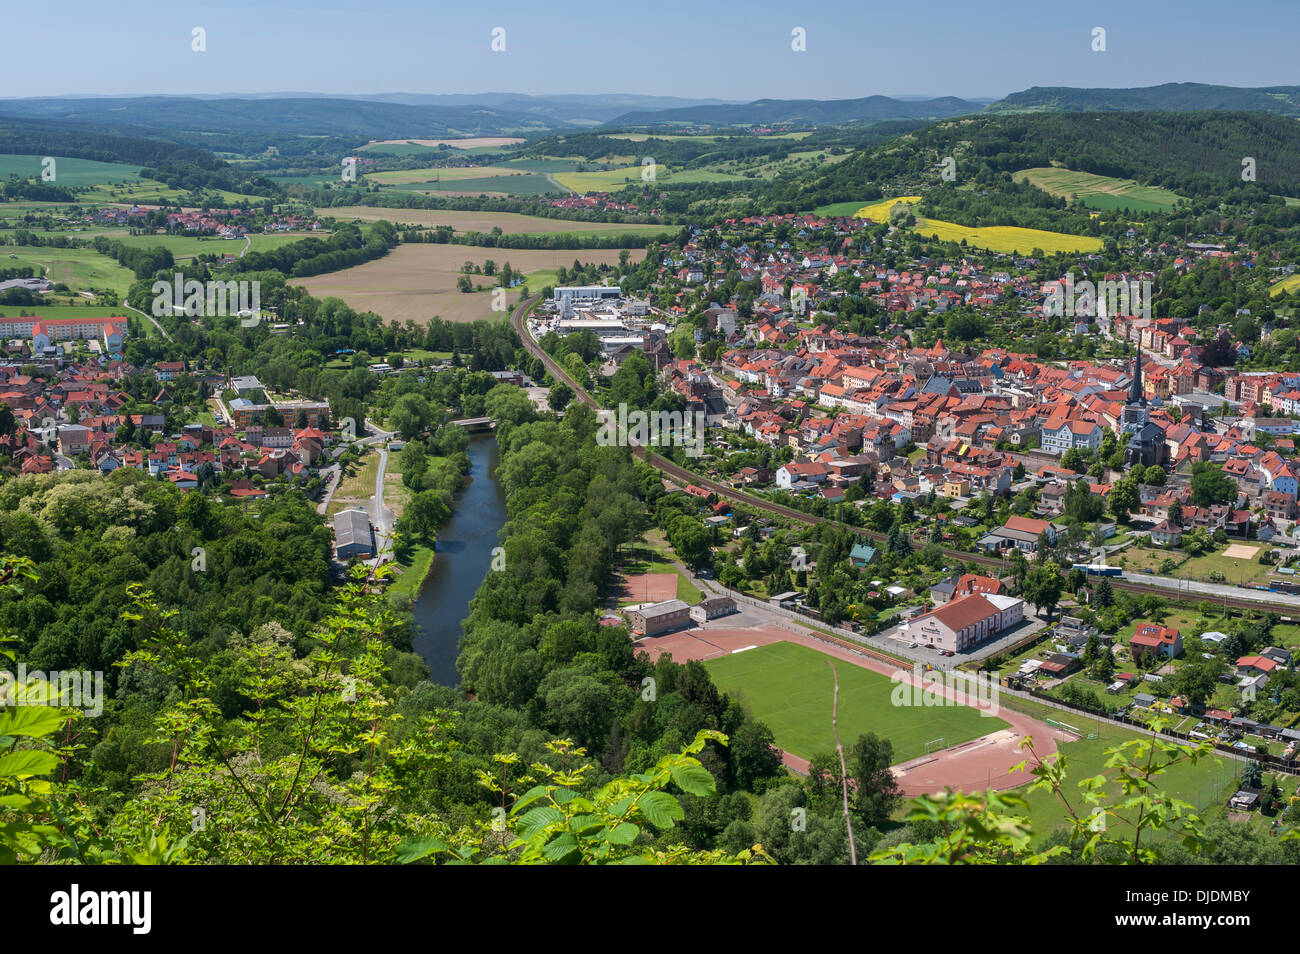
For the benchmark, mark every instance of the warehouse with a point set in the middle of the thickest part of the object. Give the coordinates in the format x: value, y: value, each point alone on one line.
x: 352, y: 535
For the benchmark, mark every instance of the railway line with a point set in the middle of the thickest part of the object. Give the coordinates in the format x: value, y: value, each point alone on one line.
x: 683, y: 476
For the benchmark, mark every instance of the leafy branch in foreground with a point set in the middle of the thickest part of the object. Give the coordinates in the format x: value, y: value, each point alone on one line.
x: 555, y: 823
x: 1126, y: 803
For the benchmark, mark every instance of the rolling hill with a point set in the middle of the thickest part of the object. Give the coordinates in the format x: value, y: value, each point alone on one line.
x: 831, y: 112
x: 1169, y: 97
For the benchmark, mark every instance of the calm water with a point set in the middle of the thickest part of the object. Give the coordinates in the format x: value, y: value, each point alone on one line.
x: 464, y: 554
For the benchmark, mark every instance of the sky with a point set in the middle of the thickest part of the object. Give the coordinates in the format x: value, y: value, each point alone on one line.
x: 696, y: 49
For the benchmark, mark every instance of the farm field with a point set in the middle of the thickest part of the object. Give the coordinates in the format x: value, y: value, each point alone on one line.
x: 790, y: 687
x: 69, y: 172
x: 540, y: 164
x: 1099, y: 192
x: 418, y: 280
x: 188, y: 246
x: 78, y: 268
x: 509, y: 222
x: 429, y: 173
x: 480, y: 142
x: 64, y: 311
x: 612, y: 180
x: 879, y: 211
x: 512, y: 183
x: 1287, y: 285
x: 1007, y: 238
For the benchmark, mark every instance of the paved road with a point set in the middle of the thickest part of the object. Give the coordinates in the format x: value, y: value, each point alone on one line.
x: 161, y: 329
x: 380, y: 515
x: 331, y: 477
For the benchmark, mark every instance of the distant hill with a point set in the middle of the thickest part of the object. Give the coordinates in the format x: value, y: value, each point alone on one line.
x: 1171, y: 97
x: 831, y: 112
x: 290, y: 116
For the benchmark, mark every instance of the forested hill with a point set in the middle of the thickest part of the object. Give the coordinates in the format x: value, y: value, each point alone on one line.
x: 834, y: 111
x: 313, y: 116
x: 1169, y: 97
x: 165, y: 161
x: 1195, y: 153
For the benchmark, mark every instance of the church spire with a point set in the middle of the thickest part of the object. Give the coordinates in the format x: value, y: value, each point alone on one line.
x: 1135, y: 395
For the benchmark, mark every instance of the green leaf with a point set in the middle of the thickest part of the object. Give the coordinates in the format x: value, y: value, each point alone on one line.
x: 27, y: 763
x: 661, y: 809
x: 34, y: 721
x: 694, y: 779
x: 413, y: 849
x: 623, y: 834
x: 560, y: 847
x: 538, y: 818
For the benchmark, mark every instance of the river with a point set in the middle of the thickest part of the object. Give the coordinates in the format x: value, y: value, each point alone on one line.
x: 464, y: 554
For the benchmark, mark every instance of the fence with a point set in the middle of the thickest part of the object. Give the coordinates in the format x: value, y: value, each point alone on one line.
x: 1273, y: 761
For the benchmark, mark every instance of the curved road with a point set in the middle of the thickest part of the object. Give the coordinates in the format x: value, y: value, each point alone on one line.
x: 1158, y: 586
x: 161, y: 329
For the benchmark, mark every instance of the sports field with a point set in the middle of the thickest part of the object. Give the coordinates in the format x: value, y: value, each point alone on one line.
x: 1099, y: 192
x: 790, y: 687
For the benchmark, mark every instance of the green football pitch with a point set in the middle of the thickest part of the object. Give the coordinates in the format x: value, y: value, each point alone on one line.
x: 790, y: 688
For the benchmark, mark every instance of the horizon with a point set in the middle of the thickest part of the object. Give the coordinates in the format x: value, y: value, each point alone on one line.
x: 747, y: 56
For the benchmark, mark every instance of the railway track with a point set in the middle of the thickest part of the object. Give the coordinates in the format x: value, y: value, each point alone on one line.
x: 682, y: 475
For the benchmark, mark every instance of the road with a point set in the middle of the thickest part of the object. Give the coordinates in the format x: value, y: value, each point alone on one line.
x: 380, y: 515
x: 1152, y: 585
x: 161, y: 329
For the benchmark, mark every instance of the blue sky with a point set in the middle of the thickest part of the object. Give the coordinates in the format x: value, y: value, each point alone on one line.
x: 728, y: 50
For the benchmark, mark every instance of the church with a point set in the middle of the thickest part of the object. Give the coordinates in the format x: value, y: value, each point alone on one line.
x: 1146, y: 440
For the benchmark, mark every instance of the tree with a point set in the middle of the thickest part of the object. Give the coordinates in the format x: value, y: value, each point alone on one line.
x: 1197, y: 679
x: 1103, y: 593
x: 754, y: 756
x: 1043, y: 587
x: 875, y: 792
x: 1154, y: 475
x: 1210, y: 485
x: 411, y: 414
x: 559, y: 396
x: 1124, y: 497
x: 423, y: 514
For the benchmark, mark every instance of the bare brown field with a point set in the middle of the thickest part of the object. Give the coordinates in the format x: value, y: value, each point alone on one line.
x: 482, y: 142
x: 510, y: 222
x: 418, y: 281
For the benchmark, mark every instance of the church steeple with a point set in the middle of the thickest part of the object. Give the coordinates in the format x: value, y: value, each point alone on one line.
x: 1135, y: 394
